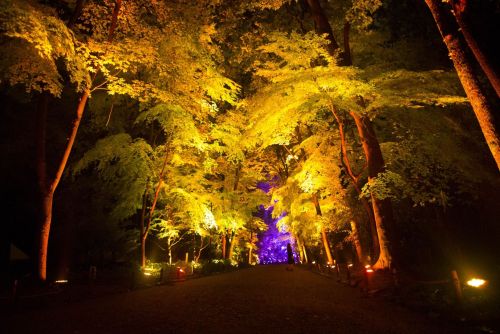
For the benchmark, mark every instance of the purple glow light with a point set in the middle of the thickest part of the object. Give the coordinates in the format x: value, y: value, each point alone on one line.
x: 272, y: 243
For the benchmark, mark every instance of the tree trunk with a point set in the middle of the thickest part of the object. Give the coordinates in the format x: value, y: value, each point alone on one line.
x: 301, y: 250
x: 357, y: 242
x: 326, y: 245
x: 305, y: 253
x: 169, y: 246
x: 44, y: 235
x: 76, y: 13
x: 324, y: 238
x: 250, y: 254
x: 223, y: 245
x: 382, y: 209
x: 231, y: 246
x: 459, y: 8
x: 143, y: 217
x: 237, y: 175
x: 344, y: 158
x: 145, y: 229
x: 347, y: 47
x: 482, y: 109
x: 47, y: 189
x: 114, y: 20
x: 322, y: 26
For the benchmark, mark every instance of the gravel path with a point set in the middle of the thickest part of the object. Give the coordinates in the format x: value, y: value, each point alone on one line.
x: 264, y: 299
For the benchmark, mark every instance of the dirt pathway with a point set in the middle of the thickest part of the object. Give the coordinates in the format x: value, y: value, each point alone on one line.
x: 265, y: 299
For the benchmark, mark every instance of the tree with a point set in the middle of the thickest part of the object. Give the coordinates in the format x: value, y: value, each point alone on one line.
x: 482, y: 108
x: 459, y: 9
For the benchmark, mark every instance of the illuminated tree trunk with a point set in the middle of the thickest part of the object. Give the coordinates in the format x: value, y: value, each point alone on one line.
x: 301, y: 250
x: 142, y: 219
x: 482, y: 109
x: 382, y: 209
x: 48, y: 187
x: 324, y: 238
x: 459, y: 8
x: 305, y: 253
x: 76, y: 12
x: 223, y: 245
x: 322, y: 26
x: 357, y: 242
x: 344, y: 157
x: 145, y: 228
x: 234, y: 239
x: 169, y: 246
x: 250, y: 249
x: 347, y: 47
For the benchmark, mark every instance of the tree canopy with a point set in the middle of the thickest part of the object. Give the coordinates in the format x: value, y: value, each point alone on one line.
x: 193, y: 114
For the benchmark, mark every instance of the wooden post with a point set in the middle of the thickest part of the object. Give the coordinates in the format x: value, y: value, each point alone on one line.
x: 187, y: 257
x: 457, y: 286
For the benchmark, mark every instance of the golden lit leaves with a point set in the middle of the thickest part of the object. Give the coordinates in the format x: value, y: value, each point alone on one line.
x: 404, y: 88
x: 37, y: 41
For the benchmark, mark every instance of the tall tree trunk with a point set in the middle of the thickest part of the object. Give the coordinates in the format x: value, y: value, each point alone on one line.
x: 357, y: 242
x: 347, y: 47
x: 169, y: 247
x: 114, y: 20
x: 76, y: 13
x: 250, y: 254
x: 483, y: 110
x: 382, y: 209
x: 223, y: 245
x: 459, y: 9
x: 234, y: 239
x: 344, y: 157
x: 301, y: 250
x: 145, y: 229
x: 324, y: 237
x: 142, y: 225
x: 305, y: 253
x: 322, y: 26
x: 48, y: 188
x: 250, y: 248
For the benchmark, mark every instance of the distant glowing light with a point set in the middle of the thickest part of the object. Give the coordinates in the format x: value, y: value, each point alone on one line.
x: 350, y: 265
x: 367, y: 266
x: 476, y: 282
x: 147, y: 273
x: 61, y: 281
x: 369, y: 270
x: 273, y: 242
x: 209, y: 219
x: 314, y: 262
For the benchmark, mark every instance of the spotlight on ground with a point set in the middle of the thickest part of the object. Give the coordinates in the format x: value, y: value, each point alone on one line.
x: 476, y: 282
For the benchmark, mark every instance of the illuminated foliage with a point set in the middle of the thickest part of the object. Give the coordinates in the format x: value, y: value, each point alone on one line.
x: 204, y: 100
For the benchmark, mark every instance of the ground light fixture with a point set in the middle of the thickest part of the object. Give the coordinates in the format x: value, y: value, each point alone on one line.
x: 476, y: 282
x: 61, y: 281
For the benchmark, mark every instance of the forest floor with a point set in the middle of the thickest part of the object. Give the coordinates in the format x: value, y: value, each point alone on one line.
x: 264, y: 299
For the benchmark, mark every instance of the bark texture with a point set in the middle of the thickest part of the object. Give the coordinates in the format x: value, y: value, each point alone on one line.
x: 459, y: 10
x: 145, y: 227
x: 452, y: 39
x: 48, y: 186
x: 382, y: 209
x: 355, y: 178
x: 324, y: 238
